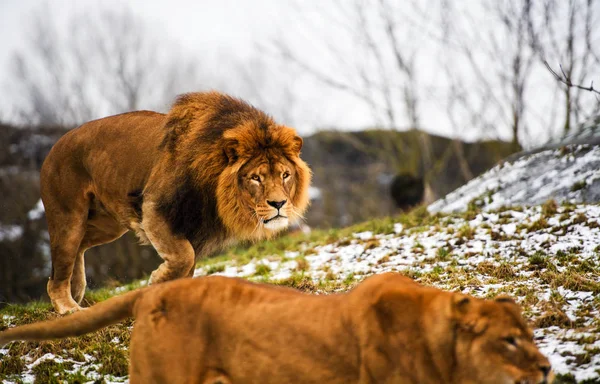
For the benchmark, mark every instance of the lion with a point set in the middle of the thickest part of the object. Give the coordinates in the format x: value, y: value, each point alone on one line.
x: 213, y: 171
x: 388, y: 329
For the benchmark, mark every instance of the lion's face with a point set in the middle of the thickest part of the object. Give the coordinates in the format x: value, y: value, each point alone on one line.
x: 495, y: 346
x: 267, y: 188
x: 265, y: 185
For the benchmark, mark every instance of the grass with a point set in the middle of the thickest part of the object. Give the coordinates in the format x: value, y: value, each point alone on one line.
x: 578, y: 186
x: 103, y: 354
x: 215, y: 268
x: 51, y: 372
x: 443, y: 253
x: 549, y: 208
x: 262, y: 270
x: 504, y: 271
x: 538, y: 225
x: 110, y: 357
x: 540, y: 261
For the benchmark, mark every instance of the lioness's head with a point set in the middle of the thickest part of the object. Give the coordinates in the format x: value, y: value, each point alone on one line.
x: 264, y: 187
x: 494, y: 344
x: 461, y: 339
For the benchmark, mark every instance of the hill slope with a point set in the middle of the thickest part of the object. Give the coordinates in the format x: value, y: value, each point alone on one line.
x: 569, y: 173
x: 546, y: 256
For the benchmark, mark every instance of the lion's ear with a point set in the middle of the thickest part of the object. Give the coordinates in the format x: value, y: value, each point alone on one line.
x: 297, y: 146
x: 466, y: 314
x: 230, y: 149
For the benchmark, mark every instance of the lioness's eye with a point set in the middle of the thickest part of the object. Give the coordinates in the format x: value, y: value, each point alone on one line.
x: 511, y: 340
x: 255, y: 178
x: 286, y: 175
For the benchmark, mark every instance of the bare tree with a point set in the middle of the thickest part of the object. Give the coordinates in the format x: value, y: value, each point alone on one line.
x: 97, y: 64
x: 514, y: 57
x: 564, y: 78
x: 492, y: 92
x: 384, y: 76
x: 379, y: 51
x: 253, y: 80
x: 562, y: 33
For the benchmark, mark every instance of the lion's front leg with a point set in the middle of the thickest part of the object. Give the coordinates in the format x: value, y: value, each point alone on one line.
x: 176, y: 251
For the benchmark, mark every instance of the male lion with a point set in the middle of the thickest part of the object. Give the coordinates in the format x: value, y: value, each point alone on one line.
x: 212, y: 171
x: 387, y: 330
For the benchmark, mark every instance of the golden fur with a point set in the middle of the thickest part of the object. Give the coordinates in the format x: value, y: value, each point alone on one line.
x: 387, y: 330
x: 214, y: 170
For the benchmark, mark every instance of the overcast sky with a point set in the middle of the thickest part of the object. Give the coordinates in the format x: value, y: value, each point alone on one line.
x: 197, y: 24
x: 205, y: 28
x: 214, y: 29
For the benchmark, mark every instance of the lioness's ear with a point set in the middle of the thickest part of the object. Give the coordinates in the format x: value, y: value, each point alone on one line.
x: 505, y: 299
x: 230, y: 150
x: 460, y: 303
x: 298, y: 142
x: 509, y: 301
x: 466, y: 314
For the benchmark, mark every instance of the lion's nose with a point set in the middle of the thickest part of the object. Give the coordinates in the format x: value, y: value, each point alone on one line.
x: 276, y: 204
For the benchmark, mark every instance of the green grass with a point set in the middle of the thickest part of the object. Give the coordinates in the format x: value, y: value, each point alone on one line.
x: 110, y: 358
x: 578, y: 186
x: 305, y: 243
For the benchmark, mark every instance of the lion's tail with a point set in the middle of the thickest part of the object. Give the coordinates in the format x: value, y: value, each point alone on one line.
x: 98, y: 316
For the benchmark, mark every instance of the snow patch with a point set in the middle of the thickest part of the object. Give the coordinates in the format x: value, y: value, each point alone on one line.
x: 10, y: 232
x: 37, y: 212
x: 571, y: 174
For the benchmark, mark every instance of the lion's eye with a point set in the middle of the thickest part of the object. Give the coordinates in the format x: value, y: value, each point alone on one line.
x: 511, y: 340
x: 286, y: 175
x: 255, y: 178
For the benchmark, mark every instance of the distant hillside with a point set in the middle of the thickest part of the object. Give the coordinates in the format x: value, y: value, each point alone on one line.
x: 354, y: 170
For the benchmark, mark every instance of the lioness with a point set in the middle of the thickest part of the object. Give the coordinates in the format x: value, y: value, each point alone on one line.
x: 212, y: 171
x: 389, y: 329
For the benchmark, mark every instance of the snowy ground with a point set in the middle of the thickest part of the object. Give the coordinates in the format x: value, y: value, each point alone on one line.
x: 87, y: 369
x: 547, y: 257
x: 569, y: 174
x: 10, y: 232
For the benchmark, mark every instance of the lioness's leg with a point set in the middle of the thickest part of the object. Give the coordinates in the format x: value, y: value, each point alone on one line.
x: 177, y: 253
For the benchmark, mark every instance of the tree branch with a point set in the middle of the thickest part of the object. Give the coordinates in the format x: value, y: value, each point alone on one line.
x: 567, y: 81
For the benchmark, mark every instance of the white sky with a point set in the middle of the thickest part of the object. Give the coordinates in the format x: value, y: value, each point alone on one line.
x: 213, y: 29
x: 205, y: 28
x: 201, y: 23
x: 200, y: 26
